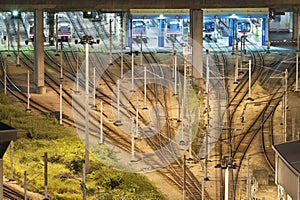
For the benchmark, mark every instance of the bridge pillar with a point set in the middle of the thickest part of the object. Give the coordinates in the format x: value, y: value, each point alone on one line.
x: 122, y: 28
x: 39, y: 82
x: 264, y: 32
x: 196, y: 20
x: 230, y: 31
x: 295, y: 24
x: 51, y: 28
x: 161, y: 32
x: 128, y: 32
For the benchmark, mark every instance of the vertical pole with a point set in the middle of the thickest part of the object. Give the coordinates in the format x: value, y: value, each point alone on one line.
x: 234, y: 35
x: 230, y: 31
x: 118, y: 120
x: 173, y: 51
x: 61, y: 62
x: 145, y: 87
x: 286, y: 88
x: 5, y: 84
x: 184, y: 177
x: 86, y: 106
x: 207, y: 134
x: 132, y: 140
x: 283, y: 114
x: 236, y: 69
x: 285, y: 105
x: 236, y: 38
x: 60, y: 104
x: 137, y: 118
x: 249, y: 92
x: 8, y: 37
x: 25, y: 186
x: 141, y: 55
x: 207, y: 74
x: 248, y: 181
x: 118, y: 100
x: 190, y: 136
x: 132, y: 72
x: 241, y: 66
x: 11, y: 160
x: 226, y: 183
x: 39, y: 65
x: 94, y: 88
x: 263, y: 31
x: 77, y: 74
x: 83, y: 188
x: 56, y: 35
x: 101, y: 122
x: 110, y: 41
x: 182, y: 129
x: 1, y: 178
x: 28, y: 91
x: 298, y: 35
x: 130, y: 33
x: 46, y: 174
x: 297, y: 71
x: 175, y: 74
x: 196, y: 33
x: 127, y: 29
x: 268, y: 29
x: 122, y: 55
x: 242, y: 44
x: 184, y: 87
x: 51, y: 28
x: 18, y: 45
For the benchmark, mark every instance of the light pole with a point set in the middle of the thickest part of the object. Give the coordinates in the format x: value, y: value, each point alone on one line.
x: 207, y: 72
x: 132, y: 73
x: 110, y: 41
x: 236, y: 69
x: 227, y: 162
x: 87, y: 40
x: 101, y: 122
x: 249, y: 84
x: 8, y: 37
x: 118, y: 121
x: 28, y: 92
x: 175, y: 74
x: 18, y: 46
x: 285, y: 104
x: 297, y: 70
x: 60, y: 104
x: 145, y: 87
x: 56, y: 35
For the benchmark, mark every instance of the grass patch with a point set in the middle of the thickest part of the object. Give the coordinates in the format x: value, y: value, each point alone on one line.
x: 37, y: 134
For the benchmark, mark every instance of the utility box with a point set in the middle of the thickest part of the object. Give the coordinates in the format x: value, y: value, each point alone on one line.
x: 261, y: 176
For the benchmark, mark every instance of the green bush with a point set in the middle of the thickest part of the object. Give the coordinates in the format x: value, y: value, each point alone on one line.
x: 37, y: 134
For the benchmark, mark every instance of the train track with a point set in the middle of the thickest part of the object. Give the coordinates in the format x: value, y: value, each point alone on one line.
x: 10, y: 193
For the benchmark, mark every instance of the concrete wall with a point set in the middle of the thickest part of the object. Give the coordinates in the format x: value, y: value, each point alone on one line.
x: 287, y: 179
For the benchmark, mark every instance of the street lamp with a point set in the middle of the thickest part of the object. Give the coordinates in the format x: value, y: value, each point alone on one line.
x: 87, y: 40
x: 227, y: 162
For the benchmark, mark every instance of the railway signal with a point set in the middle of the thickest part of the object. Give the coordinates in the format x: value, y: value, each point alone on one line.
x: 15, y: 14
x: 90, y: 14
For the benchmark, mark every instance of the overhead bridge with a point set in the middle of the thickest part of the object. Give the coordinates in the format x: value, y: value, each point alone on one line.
x: 195, y: 9
x: 146, y: 4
